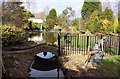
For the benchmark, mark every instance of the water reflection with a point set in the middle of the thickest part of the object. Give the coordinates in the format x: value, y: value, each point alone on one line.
x: 37, y: 38
x: 51, y: 73
x: 46, y: 37
x: 45, y: 65
x: 50, y: 37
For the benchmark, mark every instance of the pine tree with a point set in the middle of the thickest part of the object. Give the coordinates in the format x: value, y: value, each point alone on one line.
x: 93, y: 24
x: 52, y: 14
x: 51, y: 18
x: 89, y: 7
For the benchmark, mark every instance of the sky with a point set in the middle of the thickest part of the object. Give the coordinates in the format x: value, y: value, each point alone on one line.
x: 60, y: 5
x: 36, y: 6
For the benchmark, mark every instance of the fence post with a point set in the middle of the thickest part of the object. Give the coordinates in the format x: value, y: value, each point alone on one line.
x: 58, y: 54
x: 101, y: 36
x: 87, y: 41
x: 119, y: 45
x: 58, y: 44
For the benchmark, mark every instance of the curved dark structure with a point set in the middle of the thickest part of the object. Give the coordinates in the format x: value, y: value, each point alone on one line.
x: 45, y: 64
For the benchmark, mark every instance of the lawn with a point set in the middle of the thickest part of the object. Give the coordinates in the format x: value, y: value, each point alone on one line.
x: 111, y: 65
x: 79, y: 42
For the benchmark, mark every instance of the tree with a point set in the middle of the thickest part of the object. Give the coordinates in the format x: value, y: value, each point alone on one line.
x: 115, y: 24
x: 89, y: 7
x: 52, y: 14
x: 107, y: 27
x: 118, y: 28
x: 67, y: 14
x: 93, y: 24
x: 62, y: 20
x: 14, y: 14
x: 40, y: 15
x: 75, y: 23
x: 51, y: 18
x: 107, y: 13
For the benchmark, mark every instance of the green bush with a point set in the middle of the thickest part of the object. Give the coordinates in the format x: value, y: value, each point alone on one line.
x: 12, y: 35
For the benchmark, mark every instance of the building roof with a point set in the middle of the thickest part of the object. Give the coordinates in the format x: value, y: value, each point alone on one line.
x: 35, y: 20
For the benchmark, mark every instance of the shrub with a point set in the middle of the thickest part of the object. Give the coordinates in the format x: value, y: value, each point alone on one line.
x: 12, y: 35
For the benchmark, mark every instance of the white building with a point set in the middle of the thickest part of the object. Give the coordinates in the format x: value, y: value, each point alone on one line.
x: 38, y: 21
x: 37, y: 39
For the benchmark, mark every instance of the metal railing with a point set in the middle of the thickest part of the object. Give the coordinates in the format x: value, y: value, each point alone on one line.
x: 78, y: 44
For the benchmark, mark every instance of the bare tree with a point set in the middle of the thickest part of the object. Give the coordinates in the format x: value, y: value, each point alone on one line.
x: 66, y: 16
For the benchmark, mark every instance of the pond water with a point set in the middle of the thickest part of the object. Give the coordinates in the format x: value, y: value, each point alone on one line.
x: 36, y: 37
x: 42, y: 37
x: 45, y: 65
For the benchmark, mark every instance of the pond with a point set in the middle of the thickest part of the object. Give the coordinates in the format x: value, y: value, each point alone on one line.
x: 42, y: 37
x: 45, y: 65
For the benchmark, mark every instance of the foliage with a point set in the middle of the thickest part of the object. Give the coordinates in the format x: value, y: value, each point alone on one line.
x: 111, y: 65
x: 99, y: 21
x: 118, y: 29
x: 115, y: 24
x: 51, y: 18
x: 65, y: 18
x: 75, y: 22
x: 12, y: 35
x: 50, y: 23
x: 69, y: 12
x: 14, y: 14
x: 107, y: 27
x: 49, y: 37
x: 52, y: 14
x: 107, y: 13
x: 93, y: 24
x: 89, y: 7
x: 62, y: 20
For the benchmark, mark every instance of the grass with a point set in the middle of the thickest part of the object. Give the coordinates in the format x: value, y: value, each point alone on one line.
x: 112, y: 50
x: 115, y: 49
x: 80, y: 41
x: 72, y: 66
x: 111, y: 65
